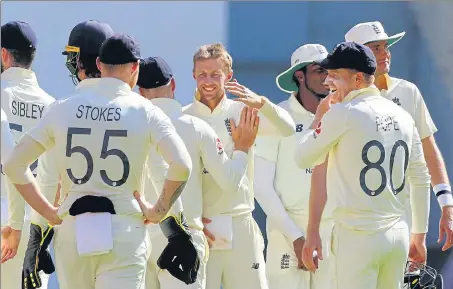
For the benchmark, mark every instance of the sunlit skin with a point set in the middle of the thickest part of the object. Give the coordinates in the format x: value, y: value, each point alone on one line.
x: 211, y: 76
x: 383, y: 59
x: 342, y: 81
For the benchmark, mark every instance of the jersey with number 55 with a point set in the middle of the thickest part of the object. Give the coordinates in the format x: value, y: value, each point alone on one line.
x: 102, y: 136
x: 375, y: 162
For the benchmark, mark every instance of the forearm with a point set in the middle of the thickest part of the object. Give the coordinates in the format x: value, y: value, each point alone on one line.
x: 279, y: 118
x: 435, y: 162
x: 269, y: 201
x: 318, y: 195
x: 228, y: 173
x: 437, y: 170
x: 169, y: 196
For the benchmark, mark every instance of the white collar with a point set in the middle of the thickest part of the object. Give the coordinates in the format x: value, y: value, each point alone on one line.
x: 19, y: 74
x: 205, y: 110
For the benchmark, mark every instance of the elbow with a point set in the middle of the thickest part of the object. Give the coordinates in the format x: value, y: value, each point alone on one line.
x: 9, y: 169
x: 289, y: 129
x: 180, y: 171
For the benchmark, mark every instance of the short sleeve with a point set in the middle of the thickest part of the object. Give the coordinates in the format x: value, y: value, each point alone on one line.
x: 423, y: 121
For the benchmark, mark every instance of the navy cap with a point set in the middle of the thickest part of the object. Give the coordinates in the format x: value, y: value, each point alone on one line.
x: 350, y: 55
x: 154, y: 72
x: 119, y: 49
x: 88, y: 36
x: 18, y: 35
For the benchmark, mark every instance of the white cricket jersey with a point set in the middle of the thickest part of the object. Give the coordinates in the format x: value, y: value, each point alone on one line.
x: 408, y: 96
x: 7, y: 144
x: 291, y: 183
x: 273, y: 121
x: 206, y: 152
x: 25, y: 103
x: 375, y: 152
x: 102, y: 136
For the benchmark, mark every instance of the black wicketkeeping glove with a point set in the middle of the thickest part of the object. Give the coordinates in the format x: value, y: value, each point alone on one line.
x: 37, y: 257
x: 179, y: 258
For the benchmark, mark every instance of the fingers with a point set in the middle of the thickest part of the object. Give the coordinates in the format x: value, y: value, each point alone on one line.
x: 253, y: 115
x: 441, y: 234
x: 243, y: 116
x: 449, y: 242
x: 209, y: 235
x: 257, y: 124
x: 233, y: 126
x: 144, y: 206
x: 307, y: 258
x: 319, y: 252
x: 205, y: 220
x: 4, y: 253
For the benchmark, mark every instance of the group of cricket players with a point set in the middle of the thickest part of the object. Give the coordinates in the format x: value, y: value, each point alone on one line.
x: 134, y: 191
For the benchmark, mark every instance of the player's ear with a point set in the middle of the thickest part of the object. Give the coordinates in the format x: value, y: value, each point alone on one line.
x: 135, y: 66
x: 141, y: 91
x: 173, y: 84
x: 98, y: 64
x: 229, y: 75
x: 4, y: 55
x: 299, y: 75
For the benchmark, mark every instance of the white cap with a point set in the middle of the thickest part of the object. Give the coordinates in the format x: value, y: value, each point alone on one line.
x: 367, y: 32
x: 303, y: 56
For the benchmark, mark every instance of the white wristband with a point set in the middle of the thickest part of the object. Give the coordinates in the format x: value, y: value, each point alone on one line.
x: 443, y: 194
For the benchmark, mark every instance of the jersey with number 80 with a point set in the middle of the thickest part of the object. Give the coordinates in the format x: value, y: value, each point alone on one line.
x: 102, y: 143
x: 375, y: 157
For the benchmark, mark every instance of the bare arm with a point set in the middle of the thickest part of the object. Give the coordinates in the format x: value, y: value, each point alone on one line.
x: 435, y: 162
x: 318, y: 195
x: 175, y: 154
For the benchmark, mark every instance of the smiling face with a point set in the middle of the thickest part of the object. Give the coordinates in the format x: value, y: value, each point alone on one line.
x: 341, y: 81
x: 383, y: 56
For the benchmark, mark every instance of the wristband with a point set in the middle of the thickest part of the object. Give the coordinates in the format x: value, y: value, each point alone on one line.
x: 443, y: 194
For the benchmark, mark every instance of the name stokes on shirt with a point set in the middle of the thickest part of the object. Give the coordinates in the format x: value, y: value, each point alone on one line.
x: 99, y: 114
x: 27, y: 110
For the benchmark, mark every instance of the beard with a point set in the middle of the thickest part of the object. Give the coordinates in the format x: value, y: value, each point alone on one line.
x: 318, y: 95
x: 3, y: 68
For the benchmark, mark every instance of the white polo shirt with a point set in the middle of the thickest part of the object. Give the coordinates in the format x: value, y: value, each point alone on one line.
x: 375, y: 161
x: 273, y: 121
x: 408, y: 96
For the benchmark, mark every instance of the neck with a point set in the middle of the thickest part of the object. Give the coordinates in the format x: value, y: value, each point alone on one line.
x: 381, y: 82
x: 308, y: 100
x: 212, y: 104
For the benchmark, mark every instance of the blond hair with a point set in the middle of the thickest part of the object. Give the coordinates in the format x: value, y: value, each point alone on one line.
x: 216, y: 50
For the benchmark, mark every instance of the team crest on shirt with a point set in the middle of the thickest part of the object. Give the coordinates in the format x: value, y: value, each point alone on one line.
x: 396, y: 100
x: 228, y: 126
x: 219, y: 146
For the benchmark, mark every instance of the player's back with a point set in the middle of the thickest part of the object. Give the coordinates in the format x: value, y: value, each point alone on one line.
x: 102, y: 138
x: 366, y: 175
x: 24, y: 103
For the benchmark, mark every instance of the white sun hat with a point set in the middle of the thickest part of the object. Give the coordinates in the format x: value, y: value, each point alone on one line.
x: 303, y: 56
x: 367, y: 32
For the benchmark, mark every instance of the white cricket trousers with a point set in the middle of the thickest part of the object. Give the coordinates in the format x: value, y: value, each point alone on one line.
x: 124, y: 267
x: 11, y: 271
x: 243, y: 266
x: 369, y: 260
x: 161, y: 279
x: 281, y: 262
